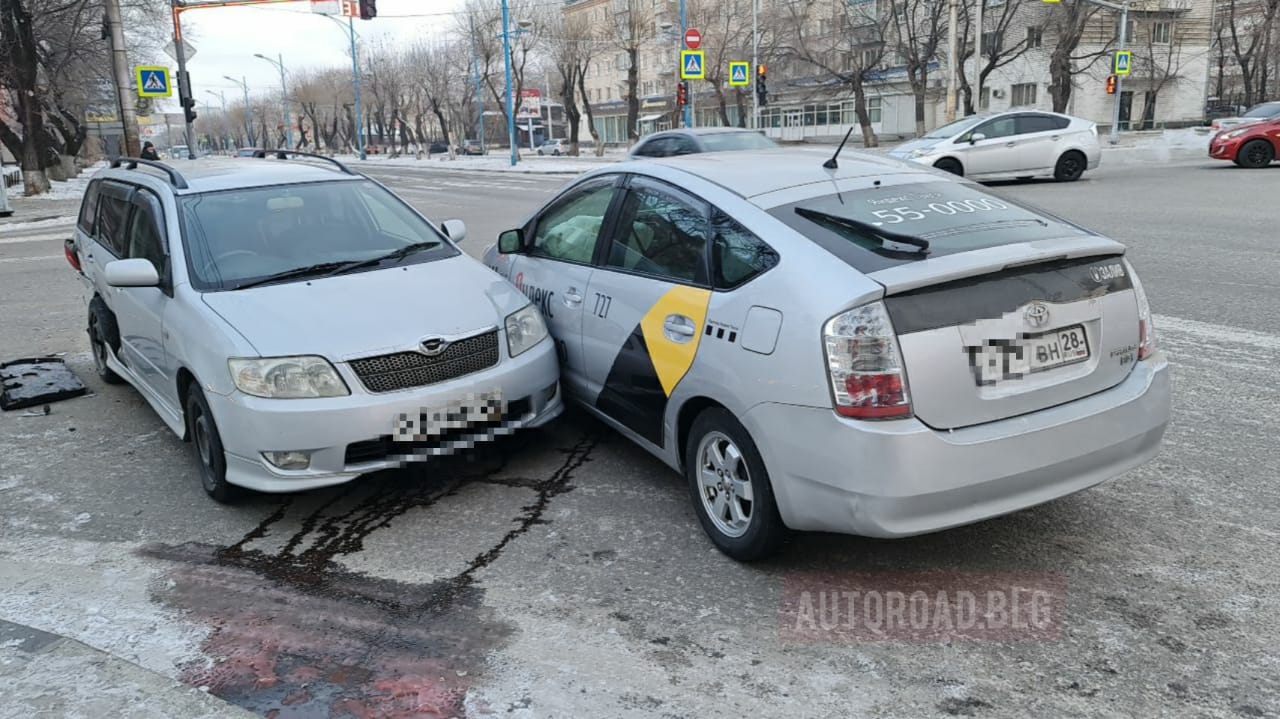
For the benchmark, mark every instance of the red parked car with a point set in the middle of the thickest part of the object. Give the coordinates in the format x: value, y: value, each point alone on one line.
x: 1255, y: 145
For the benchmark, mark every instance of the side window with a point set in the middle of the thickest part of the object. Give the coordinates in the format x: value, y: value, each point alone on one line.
x: 569, y: 230
x: 661, y: 234
x: 145, y: 239
x: 999, y: 127
x: 109, y: 232
x: 89, y: 208
x: 657, y: 147
x: 737, y: 256
x: 1040, y: 123
x: 682, y: 146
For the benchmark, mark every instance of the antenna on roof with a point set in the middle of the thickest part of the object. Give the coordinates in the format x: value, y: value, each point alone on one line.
x: 832, y: 164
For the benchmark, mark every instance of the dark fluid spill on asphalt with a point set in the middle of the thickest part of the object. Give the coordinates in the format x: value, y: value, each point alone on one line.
x: 296, y: 635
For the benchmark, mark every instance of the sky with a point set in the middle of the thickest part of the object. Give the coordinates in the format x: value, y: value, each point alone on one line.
x: 226, y: 40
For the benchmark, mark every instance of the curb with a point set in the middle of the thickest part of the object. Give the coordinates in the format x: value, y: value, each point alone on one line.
x: 47, y: 674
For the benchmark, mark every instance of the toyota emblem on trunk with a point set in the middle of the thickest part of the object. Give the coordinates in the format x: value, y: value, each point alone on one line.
x: 433, y: 346
x: 1036, y: 314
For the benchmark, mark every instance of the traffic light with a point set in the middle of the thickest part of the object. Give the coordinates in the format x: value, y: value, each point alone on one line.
x: 368, y: 9
x: 189, y: 108
x: 1111, y: 84
x: 682, y: 94
x: 762, y: 91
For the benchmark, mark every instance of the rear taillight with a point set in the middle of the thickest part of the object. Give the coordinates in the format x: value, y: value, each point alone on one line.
x: 69, y: 249
x: 1146, y: 331
x: 865, y: 366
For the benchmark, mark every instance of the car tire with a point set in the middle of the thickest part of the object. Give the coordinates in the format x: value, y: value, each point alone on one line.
x: 1255, y: 154
x: 539, y: 152
x: 947, y: 164
x: 721, y: 461
x: 211, y: 459
x: 1070, y: 167
x: 103, y: 333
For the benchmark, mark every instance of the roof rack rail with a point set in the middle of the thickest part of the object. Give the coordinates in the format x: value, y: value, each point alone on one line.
x: 131, y: 163
x: 284, y: 155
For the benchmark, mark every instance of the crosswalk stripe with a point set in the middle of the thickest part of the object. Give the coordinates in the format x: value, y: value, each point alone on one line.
x: 37, y: 238
x: 30, y: 259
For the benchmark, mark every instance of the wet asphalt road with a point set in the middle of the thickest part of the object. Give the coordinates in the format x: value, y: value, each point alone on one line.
x: 562, y: 573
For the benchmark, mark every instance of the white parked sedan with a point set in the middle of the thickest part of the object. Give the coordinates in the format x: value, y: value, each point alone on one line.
x: 1019, y: 144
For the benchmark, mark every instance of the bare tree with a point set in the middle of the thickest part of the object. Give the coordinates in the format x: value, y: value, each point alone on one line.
x: 917, y: 32
x: 726, y: 37
x: 844, y: 42
x: 1248, y: 27
x: 998, y: 47
x: 1157, y: 60
x: 631, y: 25
x: 572, y: 50
x: 1068, y: 25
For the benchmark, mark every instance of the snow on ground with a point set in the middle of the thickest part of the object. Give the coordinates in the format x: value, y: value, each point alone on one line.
x: 61, y: 221
x: 72, y: 189
x: 499, y: 161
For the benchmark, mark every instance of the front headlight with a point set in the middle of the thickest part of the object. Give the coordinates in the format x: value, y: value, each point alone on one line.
x: 287, y: 377
x: 1233, y: 134
x: 916, y: 154
x: 525, y: 329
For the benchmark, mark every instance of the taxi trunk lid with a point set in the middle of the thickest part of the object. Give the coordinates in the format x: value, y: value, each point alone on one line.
x: 1002, y: 332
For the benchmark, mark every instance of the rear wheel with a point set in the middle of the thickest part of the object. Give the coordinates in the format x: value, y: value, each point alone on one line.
x: 1253, y: 155
x: 211, y: 459
x: 1070, y: 167
x: 730, y: 488
x: 947, y: 164
x: 101, y: 328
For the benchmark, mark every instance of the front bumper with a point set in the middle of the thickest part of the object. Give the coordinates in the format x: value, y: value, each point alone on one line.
x: 1223, y: 149
x: 902, y: 478
x: 343, y: 434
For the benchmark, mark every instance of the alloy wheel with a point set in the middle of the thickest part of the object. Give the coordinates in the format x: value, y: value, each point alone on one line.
x: 724, y: 484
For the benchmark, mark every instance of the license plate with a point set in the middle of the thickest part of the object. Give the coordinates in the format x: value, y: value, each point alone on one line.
x: 432, y: 422
x: 998, y: 361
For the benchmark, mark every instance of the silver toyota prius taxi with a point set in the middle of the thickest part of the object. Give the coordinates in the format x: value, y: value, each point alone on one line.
x: 299, y: 323
x: 859, y: 345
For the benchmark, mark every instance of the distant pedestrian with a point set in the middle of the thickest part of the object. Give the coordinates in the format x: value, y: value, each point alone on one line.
x: 149, y: 152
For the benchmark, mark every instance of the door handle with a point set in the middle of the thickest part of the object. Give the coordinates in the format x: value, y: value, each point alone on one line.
x: 572, y: 298
x: 1010, y: 144
x: 1055, y: 138
x: 678, y: 328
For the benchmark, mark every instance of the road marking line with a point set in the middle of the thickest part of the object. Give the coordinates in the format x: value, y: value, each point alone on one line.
x: 1214, y: 334
x: 31, y: 259
x: 37, y: 238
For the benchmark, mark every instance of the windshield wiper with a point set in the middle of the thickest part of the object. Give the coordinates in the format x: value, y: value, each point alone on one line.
x: 865, y: 228
x: 297, y: 272
x: 399, y: 254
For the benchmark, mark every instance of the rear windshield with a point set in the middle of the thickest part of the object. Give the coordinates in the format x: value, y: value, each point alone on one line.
x: 1270, y: 109
x: 238, y: 236
x: 952, y: 216
x: 729, y: 141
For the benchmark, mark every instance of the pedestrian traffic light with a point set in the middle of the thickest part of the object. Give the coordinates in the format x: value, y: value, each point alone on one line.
x: 762, y: 90
x: 682, y: 94
x: 368, y: 9
x: 1111, y: 84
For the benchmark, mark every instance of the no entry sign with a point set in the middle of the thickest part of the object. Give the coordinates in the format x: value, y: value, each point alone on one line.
x: 692, y: 39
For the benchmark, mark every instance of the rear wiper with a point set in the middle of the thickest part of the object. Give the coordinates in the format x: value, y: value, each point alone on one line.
x: 865, y: 228
x: 318, y: 269
x: 399, y: 254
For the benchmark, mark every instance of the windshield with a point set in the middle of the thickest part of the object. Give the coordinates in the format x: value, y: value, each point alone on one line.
x: 955, y: 128
x: 729, y: 141
x: 1265, y: 110
x: 949, y: 216
x: 235, y: 237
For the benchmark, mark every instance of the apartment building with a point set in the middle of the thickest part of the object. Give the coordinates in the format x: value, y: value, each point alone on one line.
x: 1171, y: 42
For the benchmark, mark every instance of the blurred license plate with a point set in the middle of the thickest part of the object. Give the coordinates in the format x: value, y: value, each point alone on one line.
x: 433, y: 422
x: 1034, y: 353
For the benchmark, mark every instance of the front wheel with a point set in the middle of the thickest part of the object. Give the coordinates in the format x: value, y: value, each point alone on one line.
x: 1070, y: 167
x: 947, y: 164
x: 730, y: 488
x: 211, y: 459
x: 1253, y: 155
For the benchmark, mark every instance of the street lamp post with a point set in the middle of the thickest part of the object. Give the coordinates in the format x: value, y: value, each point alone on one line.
x: 350, y: 28
x: 248, y: 109
x: 755, y: 62
x: 222, y: 99
x: 284, y: 90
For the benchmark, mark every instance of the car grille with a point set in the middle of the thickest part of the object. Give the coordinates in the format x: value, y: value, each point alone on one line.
x: 450, y: 441
x: 403, y: 370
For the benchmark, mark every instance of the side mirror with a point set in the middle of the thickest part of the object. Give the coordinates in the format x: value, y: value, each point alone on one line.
x: 511, y: 242
x: 976, y: 136
x: 131, y: 273
x: 455, y: 229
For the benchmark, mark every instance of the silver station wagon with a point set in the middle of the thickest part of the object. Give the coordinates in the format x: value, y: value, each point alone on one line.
x: 864, y: 346
x: 299, y: 323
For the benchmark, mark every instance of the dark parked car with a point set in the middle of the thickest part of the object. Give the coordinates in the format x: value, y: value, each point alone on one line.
x: 471, y: 147
x: 689, y: 141
x: 438, y: 148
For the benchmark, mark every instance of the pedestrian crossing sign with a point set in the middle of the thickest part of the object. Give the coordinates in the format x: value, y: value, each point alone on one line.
x: 154, y: 82
x: 739, y: 74
x: 1123, y: 61
x: 692, y: 66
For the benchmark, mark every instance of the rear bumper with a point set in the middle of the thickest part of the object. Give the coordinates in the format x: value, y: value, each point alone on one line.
x: 901, y: 478
x: 328, y: 427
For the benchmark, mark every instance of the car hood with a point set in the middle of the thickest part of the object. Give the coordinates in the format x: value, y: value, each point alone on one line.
x: 369, y: 313
x: 920, y: 143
